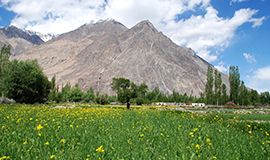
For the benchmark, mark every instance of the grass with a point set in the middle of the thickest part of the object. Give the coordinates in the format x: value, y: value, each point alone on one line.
x: 41, y: 132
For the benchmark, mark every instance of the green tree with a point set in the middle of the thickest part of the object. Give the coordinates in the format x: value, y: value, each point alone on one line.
x: 218, y: 82
x: 89, y: 95
x: 254, y: 97
x: 75, y: 94
x: 125, y: 89
x: 4, y: 59
x: 209, y: 86
x: 234, y: 83
x: 224, y: 97
x: 24, y: 81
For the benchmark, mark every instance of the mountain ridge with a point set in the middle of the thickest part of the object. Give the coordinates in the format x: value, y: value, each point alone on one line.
x: 95, y: 53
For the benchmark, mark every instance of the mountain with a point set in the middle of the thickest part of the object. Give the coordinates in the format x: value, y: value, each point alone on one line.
x: 19, y: 40
x: 95, y: 53
x: 44, y: 37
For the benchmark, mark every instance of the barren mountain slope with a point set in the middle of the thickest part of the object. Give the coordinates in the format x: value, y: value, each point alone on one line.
x: 95, y: 53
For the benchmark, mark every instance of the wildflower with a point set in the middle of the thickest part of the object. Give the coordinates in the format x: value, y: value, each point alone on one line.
x: 71, y: 126
x: 31, y: 119
x: 191, y: 133
x: 161, y: 134
x: 141, y: 135
x: 63, y: 140
x: 25, y: 142
x: 208, y: 140
x: 199, y: 137
x: 39, y: 134
x: 249, y: 132
x: 100, y: 149
x: 198, y: 146
x: 267, y: 133
x: 52, y: 156
x: 168, y: 136
x: 47, y: 143
x: 248, y: 126
x: 112, y: 148
x: 214, y: 157
x: 39, y: 127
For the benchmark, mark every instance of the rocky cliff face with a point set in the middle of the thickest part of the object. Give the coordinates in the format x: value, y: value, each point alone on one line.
x: 95, y: 53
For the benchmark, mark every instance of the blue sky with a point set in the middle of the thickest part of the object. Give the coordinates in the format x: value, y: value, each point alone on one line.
x: 223, y: 32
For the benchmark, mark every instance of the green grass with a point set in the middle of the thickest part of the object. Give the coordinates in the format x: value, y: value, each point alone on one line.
x: 36, y: 132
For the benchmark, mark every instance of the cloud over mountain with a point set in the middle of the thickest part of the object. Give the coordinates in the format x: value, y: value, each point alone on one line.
x: 201, y: 32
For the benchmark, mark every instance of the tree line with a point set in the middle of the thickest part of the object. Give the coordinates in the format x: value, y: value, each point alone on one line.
x: 216, y: 92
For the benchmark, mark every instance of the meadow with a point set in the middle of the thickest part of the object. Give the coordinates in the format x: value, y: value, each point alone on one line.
x: 42, y: 132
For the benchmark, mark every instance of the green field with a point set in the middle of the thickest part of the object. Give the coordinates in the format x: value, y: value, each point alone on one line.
x: 41, y: 132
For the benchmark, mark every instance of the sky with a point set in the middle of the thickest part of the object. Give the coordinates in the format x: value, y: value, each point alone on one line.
x: 223, y: 32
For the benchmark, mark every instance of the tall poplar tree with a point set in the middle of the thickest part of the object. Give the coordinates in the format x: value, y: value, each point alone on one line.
x: 224, y: 94
x: 209, y: 86
x: 234, y: 83
x: 218, y: 82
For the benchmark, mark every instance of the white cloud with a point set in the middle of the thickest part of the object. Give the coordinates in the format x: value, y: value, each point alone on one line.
x: 249, y: 58
x: 202, y: 33
x: 260, y: 81
x: 263, y: 73
x: 234, y: 1
x: 221, y: 67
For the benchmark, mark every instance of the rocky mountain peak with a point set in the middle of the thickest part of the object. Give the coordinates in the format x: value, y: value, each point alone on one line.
x: 96, y: 52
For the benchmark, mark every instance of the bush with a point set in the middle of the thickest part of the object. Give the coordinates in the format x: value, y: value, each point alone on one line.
x: 24, y: 81
x: 139, y: 101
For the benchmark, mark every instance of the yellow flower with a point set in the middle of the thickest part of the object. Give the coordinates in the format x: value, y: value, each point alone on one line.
x: 100, y: 149
x: 63, y: 140
x: 52, y: 156
x: 47, y: 143
x: 214, y: 157
x: 25, y: 142
x: 71, y: 126
x: 198, y: 146
x: 112, y: 148
x: 208, y: 140
x: 191, y: 133
x: 39, y: 127
x: 141, y: 135
x: 39, y: 134
x: 168, y: 136
x: 31, y: 119
x: 249, y: 132
x: 199, y: 137
x: 161, y: 134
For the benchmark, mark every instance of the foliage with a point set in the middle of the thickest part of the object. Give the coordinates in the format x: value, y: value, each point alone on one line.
x: 234, y: 80
x: 4, y: 59
x: 139, y: 101
x: 209, y: 86
x: 24, y: 81
x: 91, y: 133
x: 75, y: 94
x: 125, y: 89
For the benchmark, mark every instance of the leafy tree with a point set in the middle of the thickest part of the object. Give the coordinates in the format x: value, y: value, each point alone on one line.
x: 24, y: 81
x: 4, y: 59
x: 234, y: 83
x: 65, y: 92
x: 254, y: 97
x: 75, y: 94
x: 265, y: 98
x: 218, y: 82
x: 139, y: 100
x: 224, y: 97
x: 243, y: 95
x: 209, y: 86
x: 89, y: 95
x: 125, y: 89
